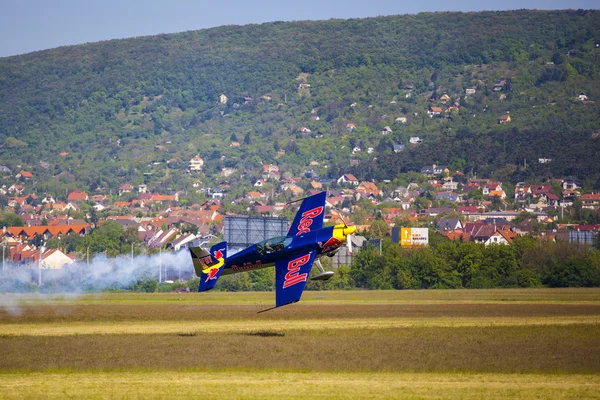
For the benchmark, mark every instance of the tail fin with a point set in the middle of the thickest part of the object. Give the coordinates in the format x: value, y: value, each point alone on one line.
x: 209, y: 265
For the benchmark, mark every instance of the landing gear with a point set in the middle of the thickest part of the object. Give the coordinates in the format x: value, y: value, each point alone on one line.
x: 323, y: 275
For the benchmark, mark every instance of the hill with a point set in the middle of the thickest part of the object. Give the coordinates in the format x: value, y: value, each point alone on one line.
x: 98, y: 115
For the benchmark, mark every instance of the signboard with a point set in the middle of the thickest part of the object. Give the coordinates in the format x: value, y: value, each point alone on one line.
x: 410, y: 237
x: 240, y: 232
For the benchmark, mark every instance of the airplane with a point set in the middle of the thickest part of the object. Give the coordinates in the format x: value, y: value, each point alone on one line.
x: 292, y: 255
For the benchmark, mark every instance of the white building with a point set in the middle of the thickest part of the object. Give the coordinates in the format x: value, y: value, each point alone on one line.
x: 55, y: 259
x: 196, y: 164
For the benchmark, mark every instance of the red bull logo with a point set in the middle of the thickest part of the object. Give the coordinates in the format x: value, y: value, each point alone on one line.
x: 307, y: 219
x: 212, y: 274
x: 218, y: 254
x: 331, y: 244
x: 292, y: 277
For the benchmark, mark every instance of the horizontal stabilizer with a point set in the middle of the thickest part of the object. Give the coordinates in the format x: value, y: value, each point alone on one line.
x: 209, y: 264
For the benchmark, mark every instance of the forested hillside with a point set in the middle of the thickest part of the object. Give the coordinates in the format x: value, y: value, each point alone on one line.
x: 305, y: 95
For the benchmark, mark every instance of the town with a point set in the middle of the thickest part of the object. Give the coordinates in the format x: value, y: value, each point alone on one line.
x: 48, y: 230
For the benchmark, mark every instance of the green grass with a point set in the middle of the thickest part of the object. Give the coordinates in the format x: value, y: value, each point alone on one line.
x: 278, y: 385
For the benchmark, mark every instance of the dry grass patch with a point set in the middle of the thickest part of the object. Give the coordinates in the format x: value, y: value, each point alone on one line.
x: 245, y: 326
x: 265, y: 299
x: 98, y: 313
x: 549, y: 348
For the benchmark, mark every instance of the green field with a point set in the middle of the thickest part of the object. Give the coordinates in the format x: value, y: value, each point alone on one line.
x: 535, y: 343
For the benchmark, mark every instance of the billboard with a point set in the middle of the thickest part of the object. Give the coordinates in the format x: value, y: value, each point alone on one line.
x: 244, y: 231
x: 410, y: 237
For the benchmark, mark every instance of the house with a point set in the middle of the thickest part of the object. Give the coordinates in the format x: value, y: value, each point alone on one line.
x: 222, y: 99
x: 435, y: 170
x: 431, y: 111
x: 449, y: 224
x: 196, y: 164
x: 164, y: 198
x: 125, y: 188
x: 450, y: 185
x: 367, y: 189
x: 348, y: 179
x: 184, y: 241
x: 18, y: 189
x: 448, y: 196
x: 470, y: 91
x: 544, y: 160
x: 435, y: 211
x: 491, y: 187
x: 466, y: 210
x: 444, y: 99
x: 500, y: 237
x: 255, y: 196
x: 25, y: 175
x: 55, y: 259
x: 402, y: 120
x: 549, y: 198
x: 48, y: 199
x: 316, y: 185
x: 499, y: 86
x: 304, y: 86
x: 350, y: 127
x: 142, y: 188
x: 293, y: 188
x: 47, y: 232
x: 522, y: 192
x: 480, y: 232
x: 571, y: 184
x: 304, y: 130
x: 397, y: 148
x: 415, y: 140
x: 582, y: 97
x: 77, y: 195
x: 590, y: 200
x: 504, y: 119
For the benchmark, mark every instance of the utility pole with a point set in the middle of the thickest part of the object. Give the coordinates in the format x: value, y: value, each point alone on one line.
x: 40, y: 271
x: 160, y: 266
x: 131, y: 255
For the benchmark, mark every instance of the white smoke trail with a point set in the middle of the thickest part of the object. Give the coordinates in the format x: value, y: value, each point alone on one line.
x: 100, y: 274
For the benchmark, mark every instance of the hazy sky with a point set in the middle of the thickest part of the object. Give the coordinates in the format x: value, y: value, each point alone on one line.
x: 30, y: 25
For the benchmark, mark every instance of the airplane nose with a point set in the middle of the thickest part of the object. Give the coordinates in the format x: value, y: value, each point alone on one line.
x: 349, y: 230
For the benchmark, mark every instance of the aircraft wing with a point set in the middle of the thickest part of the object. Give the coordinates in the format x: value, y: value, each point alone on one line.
x: 310, y: 215
x: 290, y: 278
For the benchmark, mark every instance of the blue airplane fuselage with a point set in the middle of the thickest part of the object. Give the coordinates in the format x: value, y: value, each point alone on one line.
x: 251, y: 258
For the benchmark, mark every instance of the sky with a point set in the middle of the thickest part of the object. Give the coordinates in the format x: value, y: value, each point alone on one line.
x: 31, y: 25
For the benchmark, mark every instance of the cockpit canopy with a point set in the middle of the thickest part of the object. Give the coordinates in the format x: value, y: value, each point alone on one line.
x: 273, y: 244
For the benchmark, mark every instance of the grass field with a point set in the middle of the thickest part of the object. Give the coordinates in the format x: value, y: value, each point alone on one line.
x: 538, y: 343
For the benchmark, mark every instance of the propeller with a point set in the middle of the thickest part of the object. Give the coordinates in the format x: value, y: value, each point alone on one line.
x: 349, y: 243
x: 348, y: 236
